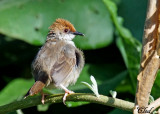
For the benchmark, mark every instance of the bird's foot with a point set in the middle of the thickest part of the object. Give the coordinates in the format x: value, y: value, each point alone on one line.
x: 43, y: 96
x: 66, y: 94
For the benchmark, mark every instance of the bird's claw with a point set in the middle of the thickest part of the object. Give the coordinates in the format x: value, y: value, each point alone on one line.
x: 43, y: 96
x: 66, y: 94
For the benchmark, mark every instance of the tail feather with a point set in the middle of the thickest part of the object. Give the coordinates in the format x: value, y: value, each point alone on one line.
x: 36, y: 88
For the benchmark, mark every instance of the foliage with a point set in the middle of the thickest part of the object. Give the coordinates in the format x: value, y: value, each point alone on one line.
x: 92, y: 87
x: 113, y: 31
x: 128, y: 45
x: 32, y: 18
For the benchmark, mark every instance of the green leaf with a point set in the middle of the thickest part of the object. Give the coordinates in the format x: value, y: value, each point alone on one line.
x: 43, y: 107
x: 28, y: 20
x: 129, y: 47
x: 119, y: 111
x: 15, y: 90
x: 19, y: 111
x: 125, y: 87
x: 134, y: 14
x: 151, y: 99
x: 16, y: 112
x: 156, y: 87
x: 75, y: 104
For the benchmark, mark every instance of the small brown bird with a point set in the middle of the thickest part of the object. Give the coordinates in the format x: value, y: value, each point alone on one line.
x: 58, y: 62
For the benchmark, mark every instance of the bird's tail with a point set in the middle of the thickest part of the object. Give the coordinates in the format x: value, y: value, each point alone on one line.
x: 36, y: 88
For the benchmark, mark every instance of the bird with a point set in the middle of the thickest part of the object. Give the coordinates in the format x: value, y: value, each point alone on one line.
x: 58, y: 62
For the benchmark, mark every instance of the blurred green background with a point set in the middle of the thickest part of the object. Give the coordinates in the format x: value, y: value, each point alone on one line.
x: 112, y: 47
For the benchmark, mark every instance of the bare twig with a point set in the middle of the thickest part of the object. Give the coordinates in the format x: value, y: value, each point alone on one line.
x: 154, y: 105
x: 33, y: 101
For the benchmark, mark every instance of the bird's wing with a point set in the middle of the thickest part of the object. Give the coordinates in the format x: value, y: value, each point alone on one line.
x: 64, y: 64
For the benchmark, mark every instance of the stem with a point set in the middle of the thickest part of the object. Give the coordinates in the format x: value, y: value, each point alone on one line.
x: 155, y: 104
x: 36, y: 100
x: 150, y: 61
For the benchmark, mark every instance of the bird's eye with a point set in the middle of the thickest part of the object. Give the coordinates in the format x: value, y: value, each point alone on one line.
x: 65, y: 30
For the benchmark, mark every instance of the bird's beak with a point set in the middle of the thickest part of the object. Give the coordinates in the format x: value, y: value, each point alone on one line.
x: 78, y: 33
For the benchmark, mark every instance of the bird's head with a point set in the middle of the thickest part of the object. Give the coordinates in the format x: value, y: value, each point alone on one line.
x: 63, y: 30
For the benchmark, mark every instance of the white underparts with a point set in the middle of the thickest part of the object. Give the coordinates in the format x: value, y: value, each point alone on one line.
x: 65, y: 36
x: 71, y: 42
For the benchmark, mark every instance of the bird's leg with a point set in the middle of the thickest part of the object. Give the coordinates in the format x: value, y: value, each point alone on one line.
x: 43, y: 96
x: 66, y: 92
x: 42, y: 100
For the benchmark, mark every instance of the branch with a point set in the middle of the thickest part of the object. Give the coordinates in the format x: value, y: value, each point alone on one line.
x: 150, y: 61
x: 36, y: 100
x: 154, y: 105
